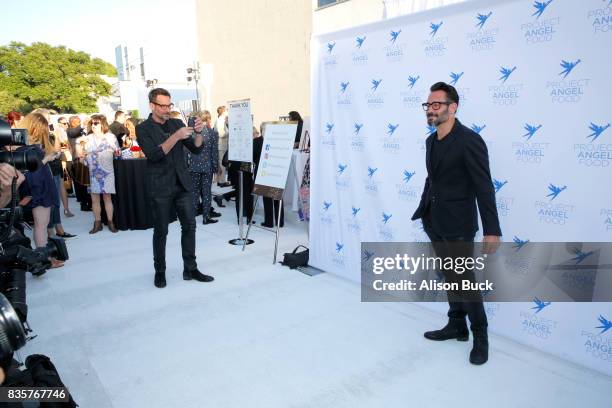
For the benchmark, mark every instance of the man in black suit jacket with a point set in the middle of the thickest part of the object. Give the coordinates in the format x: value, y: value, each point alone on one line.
x: 168, y: 182
x: 458, y: 176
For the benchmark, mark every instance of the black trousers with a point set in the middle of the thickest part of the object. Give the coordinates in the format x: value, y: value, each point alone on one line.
x: 271, y: 212
x: 461, y: 303
x: 182, y: 201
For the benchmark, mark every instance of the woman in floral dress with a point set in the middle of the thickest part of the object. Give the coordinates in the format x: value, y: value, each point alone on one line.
x: 98, y: 149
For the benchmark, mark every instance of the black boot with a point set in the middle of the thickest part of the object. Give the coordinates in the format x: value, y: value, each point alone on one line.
x: 456, y: 328
x: 160, y: 279
x: 480, y: 352
x: 197, y: 275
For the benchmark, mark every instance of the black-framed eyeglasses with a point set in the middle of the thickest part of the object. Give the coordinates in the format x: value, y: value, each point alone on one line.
x: 63, y: 123
x: 163, y: 106
x: 434, y: 105
x: 95, y: 123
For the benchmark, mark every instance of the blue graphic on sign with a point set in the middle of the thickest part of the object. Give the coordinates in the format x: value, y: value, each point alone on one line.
x: 375, y: 84
x: 412, y: 81
x: 482, y: 19
x: 434, y: 28
x: 408, y: 175
x: 455, y: 77
x: 386, y: 217
x: 519, y: 243
x: 530, y: 130
x: 540, y: 305
x: 540, y: 6
x: 568, y: 66
x: 360, y: 41
x: 330, y: 47
x: 391, y: 128
x: 597, y: 130
x: 605, y: 324
x: 499, y: 184
x: 506, y: 72
x: 554, y: 191
x: 580, y: 255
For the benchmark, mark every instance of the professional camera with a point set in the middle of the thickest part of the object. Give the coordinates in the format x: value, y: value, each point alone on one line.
x: 24, y: 158
x: 12, y: 333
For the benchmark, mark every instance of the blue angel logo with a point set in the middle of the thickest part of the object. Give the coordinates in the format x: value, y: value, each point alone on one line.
x: 408, y: 175
x: 391, y: 129
x: 343, y: 86
x: 360, y: 41
x: 329, y: 127
x: 597, y: 130
x: 386, y: 217
x: 434, y: 28
x: 326, y: 205
x: 581, y: 256
x: 375, y: 84
x: 455, y: 77
x: 371, y: 171
x: 367, y: 255
x: 476, y: 128
x: 540, y: 305
x: 519, y: 243
x: 341, y: 168
x: 540, y: 6
x: 482, y: 19
x: 339, y: 247
x: 412, y: 80
x: 568, y: 66
x: 499, y: 184
x: 330, y: 47
x: 430, y: 129
x: 394, y: 35
x: 358, y: 127
x: 355, y: 211
x: 605, y: 324
x: 506, y: 73
x: 554, y: 191
x: 530, y: 130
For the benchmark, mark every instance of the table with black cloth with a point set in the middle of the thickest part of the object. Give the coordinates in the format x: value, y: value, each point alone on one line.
x: 132, y: 210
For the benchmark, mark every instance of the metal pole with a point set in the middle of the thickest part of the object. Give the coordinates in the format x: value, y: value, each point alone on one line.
x: 276, y: 223
x: 240, y: 204
x: 246, y: 239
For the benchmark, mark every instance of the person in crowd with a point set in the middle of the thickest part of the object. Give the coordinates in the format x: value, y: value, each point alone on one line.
x: 55, y: 220
x: 458, y: 176
x: 271, y: 206
x: 177, y: 115
x: 39, y: 189
x: 222, y: 131
x: 66, y: 159
x: 202, y: 166
x: 247, y: 179
x: 74, y: 132
x: 230, y: 194
x: 118, y: 128
x: 14, y: 119
x: 98, y: 149
x: 295, y: 116
x: 168, y: 183
x: 129, y: 139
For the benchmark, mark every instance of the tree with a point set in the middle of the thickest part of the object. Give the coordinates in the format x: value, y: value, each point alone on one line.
x: 43, y: 76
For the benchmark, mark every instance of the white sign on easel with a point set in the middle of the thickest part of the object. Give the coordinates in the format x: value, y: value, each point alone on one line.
x: 276, y: 153
x: 240, y: 145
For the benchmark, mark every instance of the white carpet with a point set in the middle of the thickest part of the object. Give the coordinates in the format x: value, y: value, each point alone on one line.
x: 262, y: 335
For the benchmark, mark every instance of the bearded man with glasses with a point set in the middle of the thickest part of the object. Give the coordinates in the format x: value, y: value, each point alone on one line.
x: 168, y: 182
x: 458, y: 177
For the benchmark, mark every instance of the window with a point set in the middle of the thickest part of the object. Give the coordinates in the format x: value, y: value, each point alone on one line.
x: 324, y: 3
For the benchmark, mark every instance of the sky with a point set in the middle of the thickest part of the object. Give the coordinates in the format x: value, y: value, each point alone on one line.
x: 166, y: 30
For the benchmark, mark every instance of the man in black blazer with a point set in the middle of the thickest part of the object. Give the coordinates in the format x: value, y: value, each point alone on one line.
x: 168, y: 182
x: 458, y: 177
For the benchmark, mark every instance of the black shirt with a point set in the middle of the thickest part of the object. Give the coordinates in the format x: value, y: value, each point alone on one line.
x: 438, y: 147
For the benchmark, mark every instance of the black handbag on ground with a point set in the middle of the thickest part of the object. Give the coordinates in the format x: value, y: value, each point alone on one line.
x: 295, y: 258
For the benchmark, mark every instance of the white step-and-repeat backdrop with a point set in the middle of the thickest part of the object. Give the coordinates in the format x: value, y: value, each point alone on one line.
x: 535, y: 81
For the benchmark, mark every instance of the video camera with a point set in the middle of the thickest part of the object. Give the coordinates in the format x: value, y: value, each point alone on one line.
x: 23, y: 159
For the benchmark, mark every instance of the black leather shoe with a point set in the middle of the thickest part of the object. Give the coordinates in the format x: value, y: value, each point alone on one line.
x: 66, y: 235
x: 455, y: 329
x: 480, y: 350
x: 214, y: 214
x: 219, y: 201
x: 160, y: 279
x: 209, y: 221
x: 197, y: 275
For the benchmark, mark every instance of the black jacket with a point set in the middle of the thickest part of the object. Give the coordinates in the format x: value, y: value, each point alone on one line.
x: 460, y: 179
x: 163, y: 170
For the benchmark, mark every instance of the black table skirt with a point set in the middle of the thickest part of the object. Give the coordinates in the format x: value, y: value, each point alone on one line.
x: 132, y: 210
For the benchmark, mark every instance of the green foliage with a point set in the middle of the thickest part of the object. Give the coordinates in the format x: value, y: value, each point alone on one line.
x: 135, y: 114
x: 43, y: 76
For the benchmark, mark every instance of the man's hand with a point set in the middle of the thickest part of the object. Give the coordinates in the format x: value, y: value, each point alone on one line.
x: 183, y: 133
x: 491, y: 244
x: 7, y: 174
x: 199, y: 125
